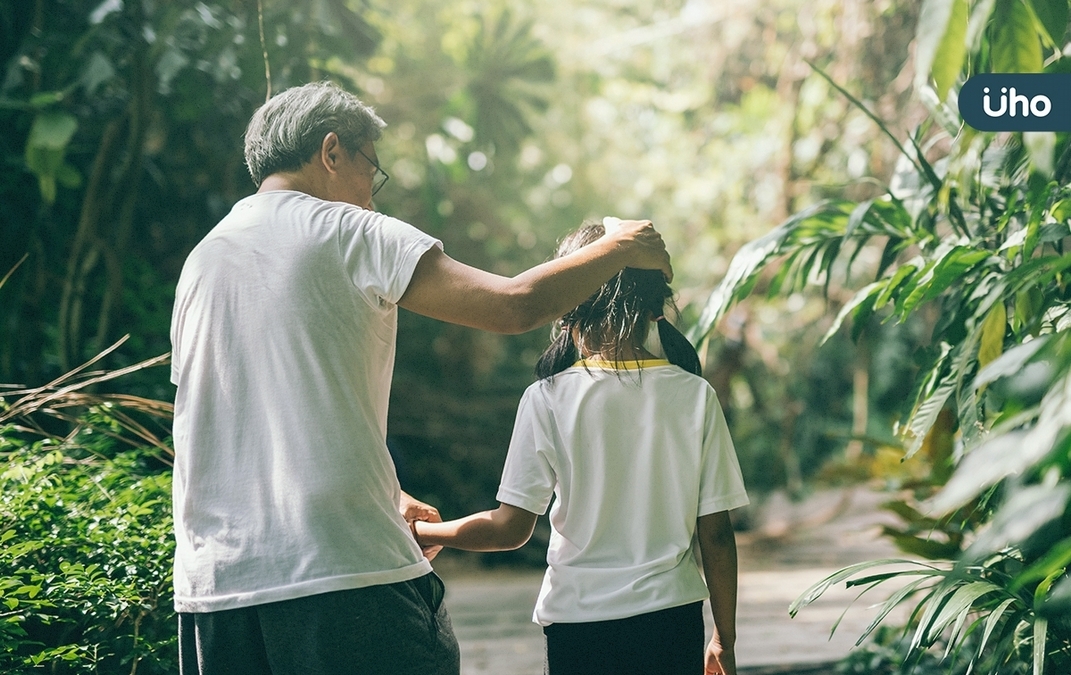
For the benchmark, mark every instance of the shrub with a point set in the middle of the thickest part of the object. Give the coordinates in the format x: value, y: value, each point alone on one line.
x: 86, y: 538
x: 85, y: 565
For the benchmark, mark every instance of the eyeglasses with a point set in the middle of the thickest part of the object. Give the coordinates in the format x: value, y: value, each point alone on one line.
x: 379, y: 178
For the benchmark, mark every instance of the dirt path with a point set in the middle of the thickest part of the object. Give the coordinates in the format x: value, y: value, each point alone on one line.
x: 796, y: 545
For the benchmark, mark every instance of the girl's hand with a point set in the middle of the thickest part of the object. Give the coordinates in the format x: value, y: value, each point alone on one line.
x: 649, y: 251
x: 719, y: 661
x: 414, y: 510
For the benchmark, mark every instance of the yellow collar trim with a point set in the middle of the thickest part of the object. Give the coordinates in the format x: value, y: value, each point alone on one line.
x: 620, y: 365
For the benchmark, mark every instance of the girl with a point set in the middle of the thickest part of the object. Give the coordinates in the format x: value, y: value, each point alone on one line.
x: 637, y: 453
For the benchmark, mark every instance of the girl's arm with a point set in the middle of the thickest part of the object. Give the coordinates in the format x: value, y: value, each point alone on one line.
x: 503, y: 529
x: 717, y: 543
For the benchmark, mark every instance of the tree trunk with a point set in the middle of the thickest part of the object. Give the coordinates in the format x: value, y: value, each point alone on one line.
x: 94, y: 204
x: 860, y: 400
x: 127, y: 184
x: 111, y: 197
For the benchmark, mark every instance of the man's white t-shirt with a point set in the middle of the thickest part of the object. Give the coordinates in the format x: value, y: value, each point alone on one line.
x: 633, y: 457
x: 283, y: 339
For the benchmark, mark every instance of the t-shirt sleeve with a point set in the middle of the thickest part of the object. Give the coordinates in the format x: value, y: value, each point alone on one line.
x: 379, y: 253
x: 528, y: 477
x: 721, y: 485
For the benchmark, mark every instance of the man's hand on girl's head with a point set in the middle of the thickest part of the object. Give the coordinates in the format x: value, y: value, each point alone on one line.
x: 649, y: 251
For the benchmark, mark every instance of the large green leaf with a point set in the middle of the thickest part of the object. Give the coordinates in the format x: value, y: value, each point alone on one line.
x: 46, y: 147
x: 860, y: 307
x: 893, y: 215
x: 932, y: 605
x: 940, y: 385
x: 1042, y: 148
x: 1016, y: 47
x: 813, y: 226
x: 959, y: 605
x: 996, y: 458
x: 1009, y: 363
x: 926, y: 414
x: 991, y: 344
x: 816, y: 590
x: 1009, y: 453
x: 991, y: 622
x: 1036, y: 272
x: 747, y: 260
x: 983, y: 9
x: 858, y: 215
x: 52, y: 130
x: 1052, y: 14
x: 925, y: 546
x: 941, y: 44
x: 890, y: 604
x: 894, y: 282
x: 1026, y: 512
x: 1028, y: 304
x: 1041, y: 631
x: 1052, y: 564
x: 1059, y: 601
x: 948, y: 270
x: 97, y: 71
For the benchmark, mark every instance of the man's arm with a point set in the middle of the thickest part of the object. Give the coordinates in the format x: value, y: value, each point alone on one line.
x: 503, y: 529
x: 445, y: 289
x: 717, y: 543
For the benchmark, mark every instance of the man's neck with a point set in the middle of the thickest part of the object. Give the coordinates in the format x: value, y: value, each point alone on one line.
x: 287, y: 181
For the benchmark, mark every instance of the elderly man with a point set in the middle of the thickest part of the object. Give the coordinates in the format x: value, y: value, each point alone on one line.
x: 294, y: 554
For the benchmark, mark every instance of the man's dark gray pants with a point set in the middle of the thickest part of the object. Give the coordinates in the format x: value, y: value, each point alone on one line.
x: 394, y: 629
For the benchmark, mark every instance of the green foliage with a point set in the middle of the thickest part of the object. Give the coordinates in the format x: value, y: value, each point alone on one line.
x: 885, y: 653
x: 989, y: 616
x: 941, y: 43
x: 1016, y: 47
x: 986, y: 230
x: 85, y: 565
x: 1053, y: 17
x: 86, y: 537
x: 120, y: 128
x: 681, y: 113
x: 510, y: 70
x: 45, y: 149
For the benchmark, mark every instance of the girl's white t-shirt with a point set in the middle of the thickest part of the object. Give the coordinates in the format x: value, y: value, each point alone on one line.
x: 283, y: 339
x: 633, y: 457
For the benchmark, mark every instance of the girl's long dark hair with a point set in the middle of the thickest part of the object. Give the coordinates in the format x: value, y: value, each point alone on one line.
x: 617, y: 314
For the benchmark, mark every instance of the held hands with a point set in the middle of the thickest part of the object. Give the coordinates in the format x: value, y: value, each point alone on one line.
x: 718, y: 660
x: 414, y: 510
x: 649, y: 249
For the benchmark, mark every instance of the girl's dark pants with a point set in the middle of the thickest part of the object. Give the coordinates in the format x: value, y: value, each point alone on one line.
x: 393, y: 629
x: 667, y: 642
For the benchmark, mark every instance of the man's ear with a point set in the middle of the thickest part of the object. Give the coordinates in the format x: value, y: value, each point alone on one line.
x: 329, y: 152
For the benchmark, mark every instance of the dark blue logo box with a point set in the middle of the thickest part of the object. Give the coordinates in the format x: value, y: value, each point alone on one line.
x: 1017, y: 102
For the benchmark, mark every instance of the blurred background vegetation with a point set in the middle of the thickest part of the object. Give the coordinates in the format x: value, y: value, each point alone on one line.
x: 509, y: 123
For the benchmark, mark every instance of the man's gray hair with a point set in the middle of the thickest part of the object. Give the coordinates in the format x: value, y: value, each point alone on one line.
x: 289, y: 129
